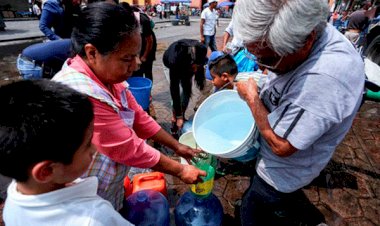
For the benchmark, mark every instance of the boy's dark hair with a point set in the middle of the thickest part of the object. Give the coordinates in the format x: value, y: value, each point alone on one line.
x: 40, y: 120
x: 103, y: 25
x: 223, y: 64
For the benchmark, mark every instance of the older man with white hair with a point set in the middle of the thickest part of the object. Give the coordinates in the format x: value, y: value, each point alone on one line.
x: 306, y: 107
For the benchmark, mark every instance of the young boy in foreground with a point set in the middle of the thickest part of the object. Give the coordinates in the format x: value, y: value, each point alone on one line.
x: 45, y: 145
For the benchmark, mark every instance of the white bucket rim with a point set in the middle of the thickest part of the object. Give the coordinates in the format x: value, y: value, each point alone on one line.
x: 224, y: 154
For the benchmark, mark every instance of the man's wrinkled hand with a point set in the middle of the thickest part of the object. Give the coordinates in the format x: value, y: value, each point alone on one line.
x: 247, y: 89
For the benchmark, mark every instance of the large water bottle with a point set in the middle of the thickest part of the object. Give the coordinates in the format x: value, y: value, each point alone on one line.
x: 193, y: 210
x: 199, y: 206
x: 147, y: 208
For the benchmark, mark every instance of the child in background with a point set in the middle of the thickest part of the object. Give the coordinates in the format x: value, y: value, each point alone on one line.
x: 45, y: 145
x: 222, y: 70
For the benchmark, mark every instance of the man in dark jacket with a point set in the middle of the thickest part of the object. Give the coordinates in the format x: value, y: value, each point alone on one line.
x: 184, y: 58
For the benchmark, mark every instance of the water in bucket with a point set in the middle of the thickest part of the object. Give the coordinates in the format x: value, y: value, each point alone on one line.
x: 224, y: 126
x: 220, y: 137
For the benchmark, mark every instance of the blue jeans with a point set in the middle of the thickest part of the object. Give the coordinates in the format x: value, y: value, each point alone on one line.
x: 264, y: 205
x: 210, y: 41
x: 28, y: 69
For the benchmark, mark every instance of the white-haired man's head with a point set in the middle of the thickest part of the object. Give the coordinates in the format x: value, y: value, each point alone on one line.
x: 283, y: 25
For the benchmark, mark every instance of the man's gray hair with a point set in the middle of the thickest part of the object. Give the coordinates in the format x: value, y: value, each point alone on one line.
x: 283, y: 24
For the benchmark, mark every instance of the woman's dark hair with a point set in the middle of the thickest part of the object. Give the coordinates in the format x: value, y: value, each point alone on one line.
x: 127, y: 6
x: 40, y: 120
x: 200, y: 60
x: 200, y: 77
x: 104, y: 25
x: 223, y: 64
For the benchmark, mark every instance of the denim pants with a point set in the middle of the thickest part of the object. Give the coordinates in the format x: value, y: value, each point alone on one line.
x: 264, y: 205
x: 210, y: 41
x: 28, y: 69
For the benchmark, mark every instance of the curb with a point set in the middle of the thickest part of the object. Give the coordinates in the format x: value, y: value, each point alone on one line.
x: 19, y: 19
x: 21, y: 39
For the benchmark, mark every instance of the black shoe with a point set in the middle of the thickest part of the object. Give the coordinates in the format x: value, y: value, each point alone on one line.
x: 174, y: 130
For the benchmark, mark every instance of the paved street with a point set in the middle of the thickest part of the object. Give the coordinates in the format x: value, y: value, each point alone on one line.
x: 16, y: 30
x: 347, y: 192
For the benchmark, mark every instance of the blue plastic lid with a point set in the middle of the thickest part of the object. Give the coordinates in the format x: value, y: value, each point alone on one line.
x: 141, y: 197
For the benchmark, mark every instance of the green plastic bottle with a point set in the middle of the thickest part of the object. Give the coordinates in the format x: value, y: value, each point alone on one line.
x: 204, y: 188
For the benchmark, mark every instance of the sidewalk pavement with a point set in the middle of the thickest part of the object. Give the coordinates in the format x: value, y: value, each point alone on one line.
x: 20, y: 30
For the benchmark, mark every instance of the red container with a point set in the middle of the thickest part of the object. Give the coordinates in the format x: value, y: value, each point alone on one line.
x: 127, y: 187
x: 154, y: 180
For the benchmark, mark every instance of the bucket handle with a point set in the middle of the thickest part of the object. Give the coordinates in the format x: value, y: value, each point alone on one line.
x: 151, y: 177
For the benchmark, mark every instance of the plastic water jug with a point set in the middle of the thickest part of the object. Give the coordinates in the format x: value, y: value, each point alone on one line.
x: 194, y: 210
x: 147, y: 208
x: 127, y: 187
x: 152, y: 180
x: 204, y: 188
x: 199, y: 206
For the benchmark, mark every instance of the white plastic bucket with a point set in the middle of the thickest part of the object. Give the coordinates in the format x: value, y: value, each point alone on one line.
x: 224, y: 126
x: 187, y: 139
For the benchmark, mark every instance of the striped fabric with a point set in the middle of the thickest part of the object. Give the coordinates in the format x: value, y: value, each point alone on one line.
x: 110, y: 175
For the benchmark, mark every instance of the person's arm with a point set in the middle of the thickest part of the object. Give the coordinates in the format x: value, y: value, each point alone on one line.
x: 167, y: 140
x: 203, y: 21
x: 226, y: 38
x: 148, y: 48
x: 187, y: 173
x: 201, y: 29
x: 145, y: 127
x: 113, y: 138
x: 249, y: 92
x: 46, y: 23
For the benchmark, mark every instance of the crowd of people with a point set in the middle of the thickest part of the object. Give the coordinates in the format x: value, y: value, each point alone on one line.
x: 356, y: 24
x: 70, y: 142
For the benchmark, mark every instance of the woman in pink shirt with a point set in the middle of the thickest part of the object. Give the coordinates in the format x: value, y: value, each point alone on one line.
x: 107, y: 42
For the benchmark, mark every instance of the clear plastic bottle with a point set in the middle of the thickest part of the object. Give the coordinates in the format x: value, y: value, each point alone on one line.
x: 194, y: 210
x: 199, y: 206
x: 147, y: 208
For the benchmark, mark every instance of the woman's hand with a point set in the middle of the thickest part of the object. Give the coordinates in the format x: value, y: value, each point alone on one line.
x: 186, y: 151
x: 191, y: 174
x: 187, y: 173
x: 247, y: 90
